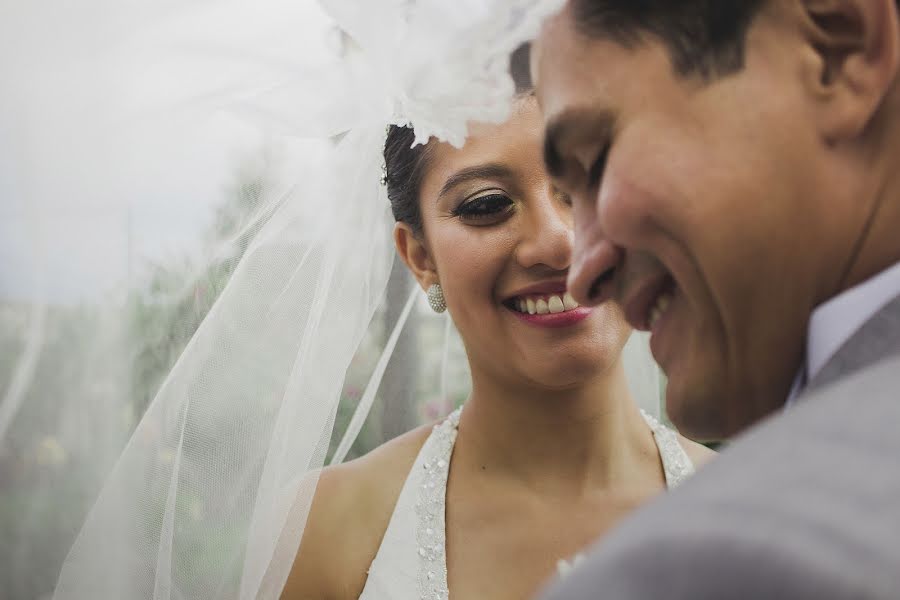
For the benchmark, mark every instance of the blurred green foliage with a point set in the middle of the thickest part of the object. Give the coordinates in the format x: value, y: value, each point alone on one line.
x: 56, y: 454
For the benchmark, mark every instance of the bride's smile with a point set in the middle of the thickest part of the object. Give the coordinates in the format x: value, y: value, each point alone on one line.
x: 547, y: 305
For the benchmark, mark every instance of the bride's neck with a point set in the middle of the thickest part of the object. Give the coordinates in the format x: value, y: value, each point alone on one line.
x: 571, y: 441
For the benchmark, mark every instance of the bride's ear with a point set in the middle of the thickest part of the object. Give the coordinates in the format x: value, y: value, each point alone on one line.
x: 414, y: 253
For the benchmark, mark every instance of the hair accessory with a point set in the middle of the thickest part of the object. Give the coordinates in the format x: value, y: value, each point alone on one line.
x: 436, y: 298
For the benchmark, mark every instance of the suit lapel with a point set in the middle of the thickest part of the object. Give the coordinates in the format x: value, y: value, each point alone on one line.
x: 877, y: 339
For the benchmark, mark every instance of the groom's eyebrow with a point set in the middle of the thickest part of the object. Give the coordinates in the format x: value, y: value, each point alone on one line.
x: 487, y: 171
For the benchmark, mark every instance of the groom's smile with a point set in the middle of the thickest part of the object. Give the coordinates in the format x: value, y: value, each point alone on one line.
x: 646, y: 291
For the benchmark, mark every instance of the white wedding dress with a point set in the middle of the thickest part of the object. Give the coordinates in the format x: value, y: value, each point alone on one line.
x: 411, y: 561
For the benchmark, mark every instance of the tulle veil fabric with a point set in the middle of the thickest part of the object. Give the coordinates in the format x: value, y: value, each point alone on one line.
x: 201, y: 489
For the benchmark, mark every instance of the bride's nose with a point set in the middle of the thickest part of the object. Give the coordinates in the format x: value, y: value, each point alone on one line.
x: 546, y: 237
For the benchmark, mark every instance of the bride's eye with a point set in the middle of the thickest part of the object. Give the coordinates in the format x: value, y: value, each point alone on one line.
x: 486, y: 209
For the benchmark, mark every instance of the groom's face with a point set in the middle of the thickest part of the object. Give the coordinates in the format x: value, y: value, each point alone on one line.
x: 698, y: 206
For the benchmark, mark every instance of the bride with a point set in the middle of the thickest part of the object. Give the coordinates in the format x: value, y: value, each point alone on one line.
x: 550, y: 450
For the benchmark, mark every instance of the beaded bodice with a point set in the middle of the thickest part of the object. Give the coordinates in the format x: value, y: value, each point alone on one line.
x: 411, y: 562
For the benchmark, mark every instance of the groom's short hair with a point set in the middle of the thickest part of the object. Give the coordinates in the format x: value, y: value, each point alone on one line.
x: 704, y: 37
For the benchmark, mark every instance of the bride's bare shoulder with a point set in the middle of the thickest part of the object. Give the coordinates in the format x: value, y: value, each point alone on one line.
x: 350, y: 512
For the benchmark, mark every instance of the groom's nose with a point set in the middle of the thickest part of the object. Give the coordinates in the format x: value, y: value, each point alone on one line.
x: 595, y: 259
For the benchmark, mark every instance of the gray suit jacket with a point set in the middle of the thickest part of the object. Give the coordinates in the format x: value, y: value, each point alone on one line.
x: 805, y: 505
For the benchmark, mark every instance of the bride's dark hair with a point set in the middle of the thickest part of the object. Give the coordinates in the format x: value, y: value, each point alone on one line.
x: 405, y: 165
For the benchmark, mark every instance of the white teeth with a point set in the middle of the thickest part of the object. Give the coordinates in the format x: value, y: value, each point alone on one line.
x: 555, y: 305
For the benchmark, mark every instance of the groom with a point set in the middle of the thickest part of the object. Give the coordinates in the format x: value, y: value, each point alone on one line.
x: 735, y: 173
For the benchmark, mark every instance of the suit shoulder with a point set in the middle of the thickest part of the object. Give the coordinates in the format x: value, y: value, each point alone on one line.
x: 804, y: 505
x: 714, y: 563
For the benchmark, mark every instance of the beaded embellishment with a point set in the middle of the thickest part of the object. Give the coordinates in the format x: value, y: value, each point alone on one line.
x: 564, y: 567
x: 430, y: 530
x: 432, y: 498
x: 676, y: 463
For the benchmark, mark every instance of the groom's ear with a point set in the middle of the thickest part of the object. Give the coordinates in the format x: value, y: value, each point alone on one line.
x: 855, y: 50
x: 413, y: 251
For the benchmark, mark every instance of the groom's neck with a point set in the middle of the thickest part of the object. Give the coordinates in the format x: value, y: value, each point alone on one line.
x: 878, y: 243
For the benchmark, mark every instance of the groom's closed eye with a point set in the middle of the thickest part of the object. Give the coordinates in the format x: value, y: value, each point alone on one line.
x: 571, y: 138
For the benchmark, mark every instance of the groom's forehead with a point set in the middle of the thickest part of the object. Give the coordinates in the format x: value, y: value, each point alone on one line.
x: 534, y: 58
x: 552, y: 35
x: 560, y: 60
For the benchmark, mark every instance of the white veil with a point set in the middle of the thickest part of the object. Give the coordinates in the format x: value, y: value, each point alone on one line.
x: 281, y: 330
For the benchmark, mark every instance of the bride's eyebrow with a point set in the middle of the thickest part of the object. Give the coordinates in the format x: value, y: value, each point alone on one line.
x: 488, y: 171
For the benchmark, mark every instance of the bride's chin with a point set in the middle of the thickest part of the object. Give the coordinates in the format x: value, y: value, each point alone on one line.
x: 561, y: 375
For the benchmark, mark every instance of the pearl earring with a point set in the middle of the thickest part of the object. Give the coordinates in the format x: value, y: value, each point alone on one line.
x: 436, y: 298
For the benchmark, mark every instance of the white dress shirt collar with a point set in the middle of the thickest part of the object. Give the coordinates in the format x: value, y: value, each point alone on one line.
x: 835, y: 321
